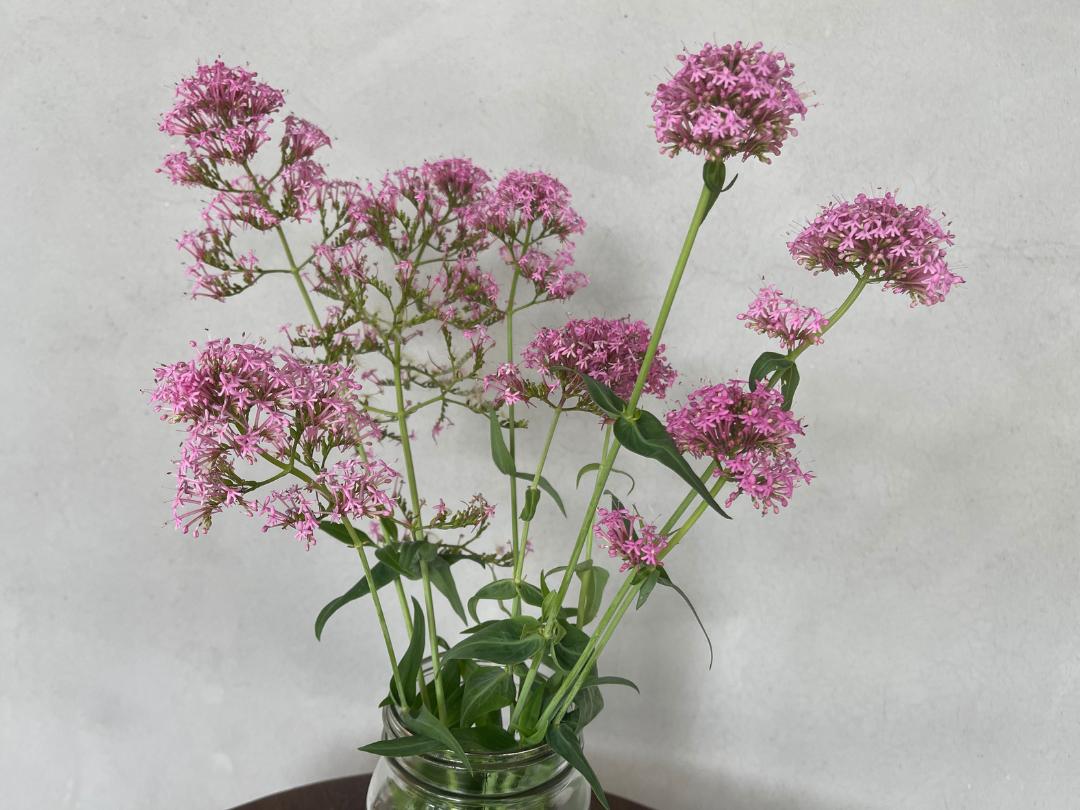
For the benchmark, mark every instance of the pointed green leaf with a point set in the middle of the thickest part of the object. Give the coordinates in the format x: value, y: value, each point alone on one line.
x: 588, y: 703
x: 487, y: 689
x: 594, y: 466
x: 648, y: 437
x: 380, y: 573
x: 665, y: 579
x: 501, y: 642
x: 424, y: 724
x: 545, y: 485
x: 611, y: 680
x: 486, y: 738
x: 789, y: 381
x: 413, y: 659
x: 606, y: 400
x: 564, y: 741
x: 341, y: 534
x: 500, y: 453
x: 403, y: 747
x: 593, y: 580
x: 765, y: 365
x: 443, y: 579
x: 500, y: 589
x: 532, y: 497
x: 647, y: 587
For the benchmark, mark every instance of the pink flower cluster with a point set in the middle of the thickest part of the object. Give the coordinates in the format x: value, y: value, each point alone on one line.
x: 727, y: 100
x: 242, y: 402
x: 610, y: 350
x: 771, y: 314
x: 628, y: 536
x: 748, y: 434
x: 523, y: 210
x: 222, y: 114
x: 883, y: 240
x: 509, y: 386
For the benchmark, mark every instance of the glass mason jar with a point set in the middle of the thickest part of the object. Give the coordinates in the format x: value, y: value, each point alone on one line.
x: 534, y: 778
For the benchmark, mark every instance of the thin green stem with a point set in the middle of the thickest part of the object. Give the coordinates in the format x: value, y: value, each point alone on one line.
x: 526, y: 685
x: 519, y: 560
x: 511, y: 443
x: 433, y: 641
x: 375, y: 600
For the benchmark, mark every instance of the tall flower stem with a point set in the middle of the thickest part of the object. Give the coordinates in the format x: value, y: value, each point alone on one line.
x: 583, y: 592
x: 418, y: 526
x: 519, y: 560
x: 646, y: 364
x: 511, y: 439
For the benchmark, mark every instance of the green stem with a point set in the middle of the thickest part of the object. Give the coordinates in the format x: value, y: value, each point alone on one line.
x: 511, y: 443
x: 695, y: 516
x: 519, y: 561
x: 433, y: 641
x: 526, y: 685
x: 375, y: 600
x: 860, y: 285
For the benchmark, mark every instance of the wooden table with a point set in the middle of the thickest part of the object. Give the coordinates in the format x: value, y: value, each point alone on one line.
x: 349, y: 792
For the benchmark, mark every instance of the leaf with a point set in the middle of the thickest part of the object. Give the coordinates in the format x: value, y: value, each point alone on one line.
x: 647, y: 587
x: 564, y: 741
x: 486, y: 738
x: 594, y: 466
x: 532, y: 497
x: 611, y: 680
x: 401, y: 557
x: 588, y: 703
x: 570, y: 647
x: 341, y: 534
x: 382, y: 575
x: 545, y: 485
x: 601, y: 395
x: 389, y: 528
x: 403, y: 747
x: 413, y: 659
x: 665, y: 580
x: 765, y: 365
x: 443, y: 579
x: 501, y: 642
x: 487, y: 689
x: 499, y: 589
x: 789, y: 381
x: 593, y: 580
x: 648, y: 437
x: 500, y: 453
x: 425, y: 724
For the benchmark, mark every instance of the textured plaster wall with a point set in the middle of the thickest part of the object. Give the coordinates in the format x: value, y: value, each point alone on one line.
x: 904, y: 636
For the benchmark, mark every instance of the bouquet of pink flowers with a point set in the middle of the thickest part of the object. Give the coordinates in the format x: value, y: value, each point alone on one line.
x: 410, y: 283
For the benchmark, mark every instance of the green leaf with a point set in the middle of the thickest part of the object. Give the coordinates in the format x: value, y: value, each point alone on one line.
x: 593, y: 580
x: 403, y: 747
x: 647, y: 587
x: 443, y: 579
x: 498, y: 590
x: 501, y: 642
x: 611, y: 680
x: 402, y: 557
x: 487, y: 689
x: 545, y: 485
x: 648, y: 437
x: 564, y: 741
x: 570, y: 647
x: 594, y: 466
x: 390, y: 529
x: 413, y: 659
x: 665, y: 579
x: 532, y: 497
x: 486, y: 738
x: 500, y: 453
x: 382, y: 575
x: 601, y: 395
x: 341, y: 534
x: 765, y: 365
x: 588, y: 703
x: 789, y: 381
x: 424, y: 724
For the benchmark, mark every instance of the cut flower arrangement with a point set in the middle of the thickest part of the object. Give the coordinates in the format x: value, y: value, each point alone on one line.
x: 408, y: 286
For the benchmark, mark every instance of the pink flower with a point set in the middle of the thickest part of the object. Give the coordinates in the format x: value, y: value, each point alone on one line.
x: 884, y: 241
x: 302, y: 139
x: 550, y: 273
x: 509, y: 386
x: 608, y: 350
x: 533, y: 204
x: 222, y: 113
x: 748, y: 434
x: 241, y: 403
x: 783, y: 318
x: 727, y: 100
x: 301, y: 189
x: 628, y: 536
x: 181, y: 170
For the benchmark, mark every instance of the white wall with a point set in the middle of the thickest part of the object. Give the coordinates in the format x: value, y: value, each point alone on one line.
x: 904, y: 636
